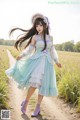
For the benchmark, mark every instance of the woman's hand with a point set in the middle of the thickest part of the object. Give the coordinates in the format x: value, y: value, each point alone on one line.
x: 59, y: 65
x: 19, y: 57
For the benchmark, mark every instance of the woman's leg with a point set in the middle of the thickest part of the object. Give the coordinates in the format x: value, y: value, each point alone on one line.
x: 25, y: 103
x: 30, y: 92
x: 37, y: 109
x: 40, y: 97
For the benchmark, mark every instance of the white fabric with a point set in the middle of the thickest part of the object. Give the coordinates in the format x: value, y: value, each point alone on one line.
x: 27, y: 51
x: 54, y: 54
x: 37, y: 74
x: 50, y: 46
x: 40, y: 42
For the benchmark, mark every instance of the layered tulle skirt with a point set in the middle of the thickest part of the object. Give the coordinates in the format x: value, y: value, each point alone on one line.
x: 36, y: 71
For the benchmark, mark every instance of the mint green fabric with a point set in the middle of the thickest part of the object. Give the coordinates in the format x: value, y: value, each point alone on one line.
x: 22, y: 69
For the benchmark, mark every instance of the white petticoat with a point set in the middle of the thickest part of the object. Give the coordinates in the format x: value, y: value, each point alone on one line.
x: 37, y: 74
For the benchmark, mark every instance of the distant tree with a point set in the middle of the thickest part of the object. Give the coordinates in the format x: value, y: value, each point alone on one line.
x: 68, y: 46
x: 77, y: 46
x: 72, y: 41
x: 58, y: 47
x: 1, y: 41
x: 7, y: 42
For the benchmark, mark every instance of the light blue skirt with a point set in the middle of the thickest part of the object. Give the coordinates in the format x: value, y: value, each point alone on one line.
x: 34, y: 70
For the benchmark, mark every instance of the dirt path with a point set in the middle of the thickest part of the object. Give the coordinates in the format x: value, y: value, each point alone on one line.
x: 51, y: 108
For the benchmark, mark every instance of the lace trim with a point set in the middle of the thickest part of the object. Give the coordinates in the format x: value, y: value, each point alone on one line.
x: 36, y: 85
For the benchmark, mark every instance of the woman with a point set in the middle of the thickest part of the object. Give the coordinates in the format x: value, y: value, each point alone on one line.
x: 36, y: 70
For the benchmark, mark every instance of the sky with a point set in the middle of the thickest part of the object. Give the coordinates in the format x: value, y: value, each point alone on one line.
x: 63, y: 15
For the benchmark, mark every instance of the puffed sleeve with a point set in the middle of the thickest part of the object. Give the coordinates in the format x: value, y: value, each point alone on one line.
x: 27, y: 51
x: 53, y: 53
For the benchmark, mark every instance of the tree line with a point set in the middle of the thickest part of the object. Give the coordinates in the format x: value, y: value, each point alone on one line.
x: 7, y: 42
x: 67, y: 46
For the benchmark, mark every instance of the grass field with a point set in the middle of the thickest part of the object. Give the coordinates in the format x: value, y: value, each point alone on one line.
x: 68, y: 77
x: 3, y: 78
x: 4, y: 64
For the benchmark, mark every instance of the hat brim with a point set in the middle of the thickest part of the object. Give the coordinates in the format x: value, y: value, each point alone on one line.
x: 37, y: 15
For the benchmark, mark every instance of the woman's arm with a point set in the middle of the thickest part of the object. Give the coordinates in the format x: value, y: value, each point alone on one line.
x: 54, y: 54
x: 28, y: 50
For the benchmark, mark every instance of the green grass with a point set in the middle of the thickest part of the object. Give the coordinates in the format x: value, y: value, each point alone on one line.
x: 68, y: 77
x: 3, y: 78
x: 4, y: 81
x: 13, y: 51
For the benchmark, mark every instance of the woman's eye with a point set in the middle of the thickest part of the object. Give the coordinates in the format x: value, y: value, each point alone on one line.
x: 38, y: 25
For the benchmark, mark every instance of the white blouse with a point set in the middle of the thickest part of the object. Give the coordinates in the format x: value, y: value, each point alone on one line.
x: 39, y: 45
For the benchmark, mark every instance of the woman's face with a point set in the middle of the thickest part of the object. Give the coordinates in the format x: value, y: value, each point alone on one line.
x: 39, y: 28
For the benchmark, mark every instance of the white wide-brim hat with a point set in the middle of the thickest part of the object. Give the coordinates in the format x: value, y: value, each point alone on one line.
x: 38, y: 15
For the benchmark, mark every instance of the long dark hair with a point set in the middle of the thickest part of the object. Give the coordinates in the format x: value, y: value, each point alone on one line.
x: 28, y: 34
